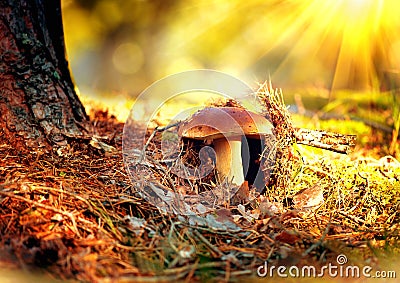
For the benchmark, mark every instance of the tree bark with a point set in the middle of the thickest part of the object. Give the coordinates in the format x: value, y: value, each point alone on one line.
x: 336, y: 142
x: 38, y: 104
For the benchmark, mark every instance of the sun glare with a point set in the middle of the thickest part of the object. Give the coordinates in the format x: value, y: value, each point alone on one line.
x: 355, y: 5
x: 360, y: 26
x: 352, y: 38
x: 342, y: 43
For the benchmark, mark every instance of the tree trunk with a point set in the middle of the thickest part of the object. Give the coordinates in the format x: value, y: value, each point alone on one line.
x: 38, y: 104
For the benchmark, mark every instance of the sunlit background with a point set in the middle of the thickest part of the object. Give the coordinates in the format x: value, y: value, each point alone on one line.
x: 327, y: 49
x: 123, y: 45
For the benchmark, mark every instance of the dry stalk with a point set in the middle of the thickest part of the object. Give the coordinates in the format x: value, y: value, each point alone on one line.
x: 275, y: 110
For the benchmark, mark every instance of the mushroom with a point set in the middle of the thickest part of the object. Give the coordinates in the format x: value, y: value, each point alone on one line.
x: 225, y: 127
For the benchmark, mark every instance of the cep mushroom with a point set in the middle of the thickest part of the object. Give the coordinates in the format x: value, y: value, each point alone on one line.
x: 225, y: 127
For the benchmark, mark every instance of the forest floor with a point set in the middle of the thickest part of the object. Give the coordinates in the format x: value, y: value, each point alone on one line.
x: 74, y: 215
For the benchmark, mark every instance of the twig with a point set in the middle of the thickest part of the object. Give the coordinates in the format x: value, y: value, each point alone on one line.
x: 192, y: 271
x: 170, y: 236
x: 207, y: 243
x: 241, y: 273
x: 158, y: 130
x: 317, y: 243
x: 353, y: 218
x: 199, y: 266
x: 144, y: 279
x: 336, y: 142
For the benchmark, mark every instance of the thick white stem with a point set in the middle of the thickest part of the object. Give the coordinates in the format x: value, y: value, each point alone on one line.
x: 229, y: 160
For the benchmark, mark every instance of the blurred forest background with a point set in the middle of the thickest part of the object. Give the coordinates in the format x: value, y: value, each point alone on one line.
x: 123, y: 45
x: 323, y: 50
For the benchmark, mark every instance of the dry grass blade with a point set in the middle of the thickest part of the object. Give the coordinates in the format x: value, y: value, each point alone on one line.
x: 276, y: 111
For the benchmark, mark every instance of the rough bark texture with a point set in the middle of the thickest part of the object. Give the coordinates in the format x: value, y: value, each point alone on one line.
x: 326, y: 140
x: 38, y: 104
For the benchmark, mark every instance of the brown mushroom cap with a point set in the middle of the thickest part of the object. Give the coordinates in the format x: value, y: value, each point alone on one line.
x: 217, y: 122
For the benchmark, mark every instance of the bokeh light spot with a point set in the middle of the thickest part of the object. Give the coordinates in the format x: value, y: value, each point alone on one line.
x: 128, y: 58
